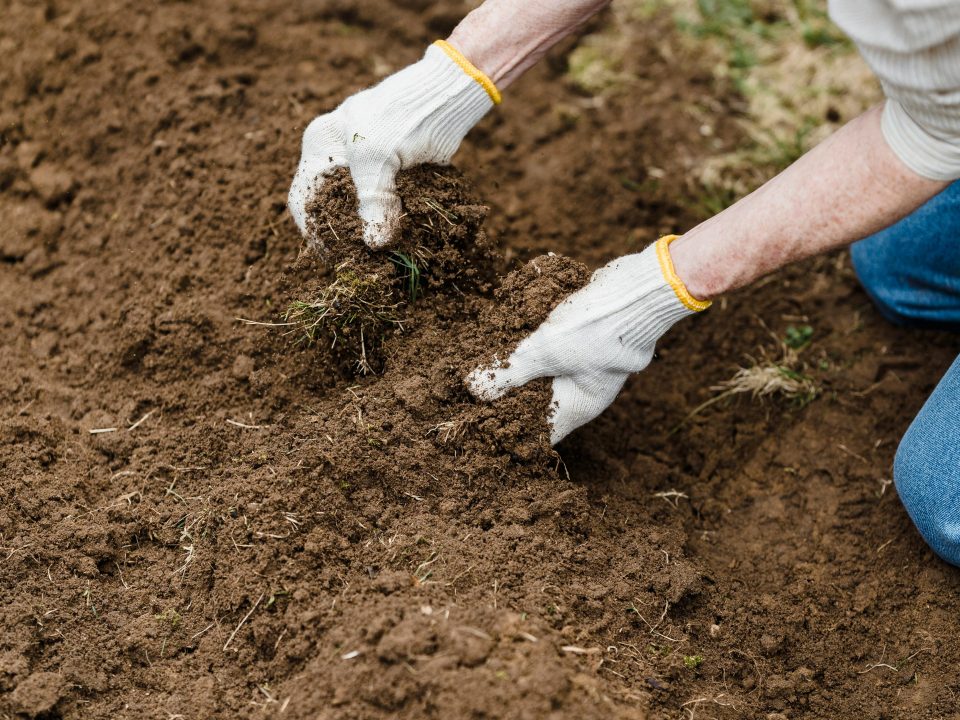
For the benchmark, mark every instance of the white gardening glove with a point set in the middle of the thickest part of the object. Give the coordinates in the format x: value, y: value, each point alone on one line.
x: 595, y: 338
x: 419, y: 115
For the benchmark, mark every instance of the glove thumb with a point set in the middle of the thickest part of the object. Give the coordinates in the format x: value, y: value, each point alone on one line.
x: 524, y: 364
x: 322, y: 151
x: 379, y: 206
x: 575, y: 403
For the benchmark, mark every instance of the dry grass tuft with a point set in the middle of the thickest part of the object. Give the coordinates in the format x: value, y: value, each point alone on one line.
x: 765, y: 378
x: 355, y: 307
x: 450, y: 430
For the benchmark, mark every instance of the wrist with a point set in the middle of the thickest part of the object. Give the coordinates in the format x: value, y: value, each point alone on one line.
x: 691, y: 270
x: 505, y: 38
x: 679, y: 271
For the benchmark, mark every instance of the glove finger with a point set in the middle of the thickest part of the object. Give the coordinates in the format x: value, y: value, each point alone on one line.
x: 323, y: 150
x: 526, y: 363
x: 379, y: 206
x: 576, y: 404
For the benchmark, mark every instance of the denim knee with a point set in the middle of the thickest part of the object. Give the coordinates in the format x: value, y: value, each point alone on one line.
x: 875, y: 270
x: 911, y: 269
x: 928, y: 489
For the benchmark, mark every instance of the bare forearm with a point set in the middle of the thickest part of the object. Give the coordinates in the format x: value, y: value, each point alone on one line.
x: 846, y: 188
x: 504, y: 38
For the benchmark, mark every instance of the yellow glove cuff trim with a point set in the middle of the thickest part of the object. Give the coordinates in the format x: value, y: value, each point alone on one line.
x: 471, y: 70
x: 666, y: 265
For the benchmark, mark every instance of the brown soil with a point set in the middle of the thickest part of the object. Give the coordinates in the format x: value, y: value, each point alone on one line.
x: 266, y: 533
x: 358, y: 299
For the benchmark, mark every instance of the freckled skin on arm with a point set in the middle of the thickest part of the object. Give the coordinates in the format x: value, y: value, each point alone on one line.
x: 505, y: 38
x: 848, y: 187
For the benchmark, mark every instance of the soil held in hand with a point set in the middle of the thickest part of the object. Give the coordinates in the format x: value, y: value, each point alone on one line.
x: 428, y: 310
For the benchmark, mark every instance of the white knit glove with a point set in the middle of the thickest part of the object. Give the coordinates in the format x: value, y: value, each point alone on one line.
x: 415, y: 116
x: 595, y: 338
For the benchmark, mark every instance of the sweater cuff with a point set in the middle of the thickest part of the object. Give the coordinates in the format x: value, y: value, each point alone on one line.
x: 927, y: 155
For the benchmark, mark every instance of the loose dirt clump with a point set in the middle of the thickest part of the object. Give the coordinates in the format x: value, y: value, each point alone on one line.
x: 424, y: 335
x: 365, y: 296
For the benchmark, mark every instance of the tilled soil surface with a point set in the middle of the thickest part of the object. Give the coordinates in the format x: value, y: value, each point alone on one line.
x: 203, y: 518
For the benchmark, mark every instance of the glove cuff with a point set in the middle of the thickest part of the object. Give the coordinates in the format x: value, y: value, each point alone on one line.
x: 673, y: 280
x: 450, y: 95
x: 470, y: 69
x: 656, y: 298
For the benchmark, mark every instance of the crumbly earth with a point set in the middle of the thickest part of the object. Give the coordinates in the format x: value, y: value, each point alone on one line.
x: 358, y: 299
x: 254, y: 531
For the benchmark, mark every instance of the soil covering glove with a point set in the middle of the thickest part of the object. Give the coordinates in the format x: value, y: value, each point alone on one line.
x: 595, y: 338
x: 418, y: 115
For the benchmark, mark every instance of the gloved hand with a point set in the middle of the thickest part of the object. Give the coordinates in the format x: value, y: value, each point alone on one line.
x: 415, y: 116
x: 595, y: 338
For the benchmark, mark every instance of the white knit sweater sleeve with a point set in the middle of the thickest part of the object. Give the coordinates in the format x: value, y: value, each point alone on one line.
x: 913, y: 46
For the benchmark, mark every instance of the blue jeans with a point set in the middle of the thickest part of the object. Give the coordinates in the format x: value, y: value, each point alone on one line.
x: 911, y: 270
